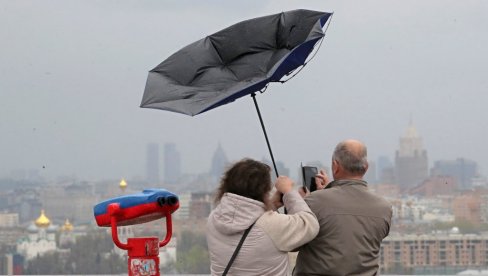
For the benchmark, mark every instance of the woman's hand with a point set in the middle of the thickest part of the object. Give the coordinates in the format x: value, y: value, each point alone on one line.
x: 284, y: 184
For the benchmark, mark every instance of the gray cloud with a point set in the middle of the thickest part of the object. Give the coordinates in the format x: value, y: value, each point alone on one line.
x: 72, y: 75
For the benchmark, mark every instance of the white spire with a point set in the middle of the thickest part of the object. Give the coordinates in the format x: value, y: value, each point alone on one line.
x: 411, y: 143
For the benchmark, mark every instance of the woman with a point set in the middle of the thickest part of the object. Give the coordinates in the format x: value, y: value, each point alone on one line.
x: 243, y: 199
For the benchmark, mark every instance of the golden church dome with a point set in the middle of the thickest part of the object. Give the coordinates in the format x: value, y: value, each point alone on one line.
x: 42, y: 220
x: 67, y: 226
x: 123, y: 184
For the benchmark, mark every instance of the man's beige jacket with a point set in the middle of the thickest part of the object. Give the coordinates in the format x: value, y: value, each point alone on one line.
x: 353, y: 222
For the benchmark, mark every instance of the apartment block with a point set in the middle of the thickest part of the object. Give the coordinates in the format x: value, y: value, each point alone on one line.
x: 434, y: 250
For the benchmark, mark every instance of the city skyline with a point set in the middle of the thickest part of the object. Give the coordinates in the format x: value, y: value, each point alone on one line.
x: 73, y: 73
x: 156, y: 164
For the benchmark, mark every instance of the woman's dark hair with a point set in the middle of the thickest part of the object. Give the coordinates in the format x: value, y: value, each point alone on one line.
x: 248, y: 178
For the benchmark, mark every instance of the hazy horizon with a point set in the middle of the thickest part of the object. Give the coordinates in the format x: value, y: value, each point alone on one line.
x: 72, y: 76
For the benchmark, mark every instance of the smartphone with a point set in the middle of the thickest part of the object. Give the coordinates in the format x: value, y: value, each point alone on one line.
x: 309, y: 173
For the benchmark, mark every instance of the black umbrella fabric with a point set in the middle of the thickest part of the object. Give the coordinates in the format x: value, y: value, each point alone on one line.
x: 234, y: 62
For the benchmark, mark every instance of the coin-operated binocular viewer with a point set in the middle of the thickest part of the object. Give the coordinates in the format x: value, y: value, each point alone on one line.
x: 139, y: 208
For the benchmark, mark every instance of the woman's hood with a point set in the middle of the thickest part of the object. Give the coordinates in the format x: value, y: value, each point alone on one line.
x: 235, y: 213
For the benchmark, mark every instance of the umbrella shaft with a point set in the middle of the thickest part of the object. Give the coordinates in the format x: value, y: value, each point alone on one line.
x: 253, y: 95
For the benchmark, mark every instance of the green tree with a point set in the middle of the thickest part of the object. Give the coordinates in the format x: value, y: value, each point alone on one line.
x: 194, y: 261
x: 192, y: 253
x: 91, y: 254
x: 47, y: 264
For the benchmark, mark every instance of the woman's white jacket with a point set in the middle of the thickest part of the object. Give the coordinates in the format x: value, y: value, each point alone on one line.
x: 264, y: 251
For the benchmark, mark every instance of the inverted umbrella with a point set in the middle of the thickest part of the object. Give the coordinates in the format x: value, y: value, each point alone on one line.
x: 234, y: 62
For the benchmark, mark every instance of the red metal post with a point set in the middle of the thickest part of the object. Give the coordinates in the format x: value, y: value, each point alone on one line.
x: 143, y: 256
x: 143, y: 252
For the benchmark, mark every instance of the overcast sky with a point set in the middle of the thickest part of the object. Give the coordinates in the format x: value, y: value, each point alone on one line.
x: 72, y: 74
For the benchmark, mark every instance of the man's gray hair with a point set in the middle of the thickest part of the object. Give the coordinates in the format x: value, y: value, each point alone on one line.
x: 354, y: 162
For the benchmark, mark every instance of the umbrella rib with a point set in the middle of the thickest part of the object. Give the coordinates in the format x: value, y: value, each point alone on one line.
x: 295, y: 72
x: 233, y: 73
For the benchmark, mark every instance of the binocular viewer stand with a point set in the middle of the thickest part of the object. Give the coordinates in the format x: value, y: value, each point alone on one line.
x: 143, y: 252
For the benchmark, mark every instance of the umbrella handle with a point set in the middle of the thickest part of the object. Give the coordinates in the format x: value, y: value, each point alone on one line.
x: 253, y: 95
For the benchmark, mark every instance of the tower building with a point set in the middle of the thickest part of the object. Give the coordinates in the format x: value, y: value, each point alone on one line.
x: 172, y: 163
x: 411, y: 163
x: 219, y: 162
x: 152, y: 163
x: 462, y: 169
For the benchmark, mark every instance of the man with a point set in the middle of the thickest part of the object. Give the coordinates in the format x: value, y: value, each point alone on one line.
x: 353, y: 221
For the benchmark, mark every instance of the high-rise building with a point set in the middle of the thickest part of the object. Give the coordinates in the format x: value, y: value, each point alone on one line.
x: 219, y: 162
x: 172, y: 163
x: 411, y: 163
x: 462, y: 169
x: 152, y: 163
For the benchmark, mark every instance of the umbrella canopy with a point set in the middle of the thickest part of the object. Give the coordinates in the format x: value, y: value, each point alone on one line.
x: 234, y: 62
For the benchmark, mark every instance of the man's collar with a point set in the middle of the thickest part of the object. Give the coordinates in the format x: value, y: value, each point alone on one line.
x: 346, y: 182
